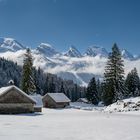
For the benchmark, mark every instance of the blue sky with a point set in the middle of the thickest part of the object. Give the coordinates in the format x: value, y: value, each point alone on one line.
x: 72, y: 22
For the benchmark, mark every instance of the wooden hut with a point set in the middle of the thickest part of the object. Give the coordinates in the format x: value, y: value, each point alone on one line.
x: 55, y: 100
x: 13, y: 100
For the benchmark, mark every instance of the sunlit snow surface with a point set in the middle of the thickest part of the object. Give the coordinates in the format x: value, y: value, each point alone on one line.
x: 70, y: 124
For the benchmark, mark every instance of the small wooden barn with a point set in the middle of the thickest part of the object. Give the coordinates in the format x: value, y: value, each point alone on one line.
x: 13, y: 101
x: 55, y: 100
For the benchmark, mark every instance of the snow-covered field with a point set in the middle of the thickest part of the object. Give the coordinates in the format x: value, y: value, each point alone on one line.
x: 126, y: 105
x: 70, y: 124
x: 85, y: 106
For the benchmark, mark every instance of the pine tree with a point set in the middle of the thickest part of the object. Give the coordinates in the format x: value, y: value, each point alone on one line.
x: 132, y: 83
x: 36, y: 81
x: 52, y: 87
x: 62, y: 89
x: 76, y: 92
x: 92, y: 94
x: 27, y: 83
x: 99, y: 89
x: 72, y: 95
x: 46, y: 86
x: 68, y: 93
x: 108, y: 93
x: 114, y: 77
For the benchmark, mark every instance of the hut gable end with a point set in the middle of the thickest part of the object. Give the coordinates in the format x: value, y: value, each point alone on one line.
x: 13, y: 95
x: 58, y: 97
x: 55, y: 100
x: 13, y: 101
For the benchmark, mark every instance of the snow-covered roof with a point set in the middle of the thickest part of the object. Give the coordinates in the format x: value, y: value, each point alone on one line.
x: 59, y: 97
x: 38, y: 99
x: 82, y: 100
x: 4, y: 90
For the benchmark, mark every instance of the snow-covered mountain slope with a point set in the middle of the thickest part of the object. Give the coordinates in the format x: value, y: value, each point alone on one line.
x: 136, y: 57
x: 9, y: 44
x: 127, y: 55
x: 73, y: 52
x: 94, y: 51
x: 47, y: 50
x: 79, y: 69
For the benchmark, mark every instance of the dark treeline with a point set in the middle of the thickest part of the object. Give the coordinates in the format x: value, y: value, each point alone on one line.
x: 43, y: 82
x: 114, y: 86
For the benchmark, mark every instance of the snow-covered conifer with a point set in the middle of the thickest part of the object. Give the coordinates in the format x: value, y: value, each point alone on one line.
x: 114, y: 77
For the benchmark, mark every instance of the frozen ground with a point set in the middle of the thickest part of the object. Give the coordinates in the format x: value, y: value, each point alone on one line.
x: 85, y: 106
x: 70, y: 124
x: 126, y: 105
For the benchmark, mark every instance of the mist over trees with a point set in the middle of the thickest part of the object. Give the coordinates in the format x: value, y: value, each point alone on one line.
x: 43, y: 82
x: 114, y: 86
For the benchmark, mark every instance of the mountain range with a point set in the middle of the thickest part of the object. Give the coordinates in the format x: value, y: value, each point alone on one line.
x: 71, y: 64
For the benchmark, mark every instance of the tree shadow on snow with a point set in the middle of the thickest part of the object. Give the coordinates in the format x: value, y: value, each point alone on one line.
x: 29, y: 114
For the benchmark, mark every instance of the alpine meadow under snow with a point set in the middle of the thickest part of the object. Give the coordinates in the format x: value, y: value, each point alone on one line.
x: 70, y: 124
x: 68, y: 65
